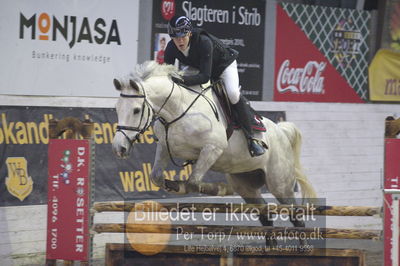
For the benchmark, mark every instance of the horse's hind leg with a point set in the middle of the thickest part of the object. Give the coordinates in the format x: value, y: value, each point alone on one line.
x: 265, y: 220
x: 293, y: 220
x: 248, y: 185
x: 296, y: 220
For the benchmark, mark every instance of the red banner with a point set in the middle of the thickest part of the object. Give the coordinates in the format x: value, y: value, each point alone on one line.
x: 68, y: 199
x: 302, y: 72
x: 392, y: 181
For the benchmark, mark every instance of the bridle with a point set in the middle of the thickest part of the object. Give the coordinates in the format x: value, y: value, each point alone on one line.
x: 156, y: 115
x: 138, y: 129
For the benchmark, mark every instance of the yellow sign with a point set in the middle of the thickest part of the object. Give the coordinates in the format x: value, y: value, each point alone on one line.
x: 18, y: 182
x: 384, y: 76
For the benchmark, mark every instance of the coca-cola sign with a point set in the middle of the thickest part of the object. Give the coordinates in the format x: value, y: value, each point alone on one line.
x: 307, y: 79
x: 302, y: 72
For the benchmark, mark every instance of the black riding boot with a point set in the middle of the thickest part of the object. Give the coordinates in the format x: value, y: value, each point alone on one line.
x: 244, y: 116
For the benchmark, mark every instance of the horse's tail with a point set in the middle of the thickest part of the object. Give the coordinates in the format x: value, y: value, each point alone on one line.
x: 294, y: 135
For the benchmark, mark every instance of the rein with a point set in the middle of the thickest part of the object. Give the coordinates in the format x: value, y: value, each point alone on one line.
x: 168, y: 124
x: 156, y: 116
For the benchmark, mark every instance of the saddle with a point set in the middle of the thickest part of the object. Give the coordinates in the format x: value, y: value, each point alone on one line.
x: 232, y: 123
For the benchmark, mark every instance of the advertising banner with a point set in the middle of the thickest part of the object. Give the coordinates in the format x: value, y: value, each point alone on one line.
x: 238, y: 23
x: 321, y: 54
x: 24, y: 140
x: 66, y: 49
x: 392, y: 181
x: 384, y: 76
x: 69, y: 199
x: 391, y: 26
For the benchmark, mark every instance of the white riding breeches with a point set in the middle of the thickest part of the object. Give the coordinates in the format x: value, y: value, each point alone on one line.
x: 230, y: 77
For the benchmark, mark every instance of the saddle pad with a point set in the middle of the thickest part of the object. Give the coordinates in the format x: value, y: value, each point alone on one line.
x: 257, y: 125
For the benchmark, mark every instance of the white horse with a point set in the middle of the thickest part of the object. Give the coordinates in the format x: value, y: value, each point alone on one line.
x: 193, y: 127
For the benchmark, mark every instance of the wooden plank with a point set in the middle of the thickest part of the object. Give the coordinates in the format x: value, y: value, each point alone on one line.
x: 344, y: 257
x: 117, y: 206
x: 238, y: 230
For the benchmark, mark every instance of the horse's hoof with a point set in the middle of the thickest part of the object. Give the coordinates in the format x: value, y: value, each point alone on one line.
x: 171, y: 186
x: 271, y: 243
x: 158, y: 183
x: 176, y: 187
x: 304, y: 247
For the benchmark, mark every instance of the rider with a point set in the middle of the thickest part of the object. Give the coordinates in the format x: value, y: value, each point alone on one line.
x: 197, y: 48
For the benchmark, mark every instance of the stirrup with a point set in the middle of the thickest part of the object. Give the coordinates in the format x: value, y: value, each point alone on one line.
x: 255, y: 148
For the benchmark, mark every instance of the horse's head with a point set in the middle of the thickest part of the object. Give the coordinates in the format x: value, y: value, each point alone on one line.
x: 134, y: 115
x: 148, y: 86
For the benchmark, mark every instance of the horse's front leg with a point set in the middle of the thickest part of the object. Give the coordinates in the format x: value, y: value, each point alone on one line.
x: 160, y: 163
x: 209, y: 154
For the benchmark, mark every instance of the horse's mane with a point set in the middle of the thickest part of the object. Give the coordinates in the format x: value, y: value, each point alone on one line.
x: 152, y: 68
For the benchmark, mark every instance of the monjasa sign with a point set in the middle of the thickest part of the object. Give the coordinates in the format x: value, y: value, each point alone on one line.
x: 72, y: 28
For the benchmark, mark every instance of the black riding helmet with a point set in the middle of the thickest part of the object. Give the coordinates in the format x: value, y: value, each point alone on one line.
x: 179, y: 26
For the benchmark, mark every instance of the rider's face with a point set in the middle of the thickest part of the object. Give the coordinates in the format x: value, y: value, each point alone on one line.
x: 182, y: 42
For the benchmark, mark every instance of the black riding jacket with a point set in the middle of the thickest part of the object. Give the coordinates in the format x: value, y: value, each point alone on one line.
x: 206, y: 53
